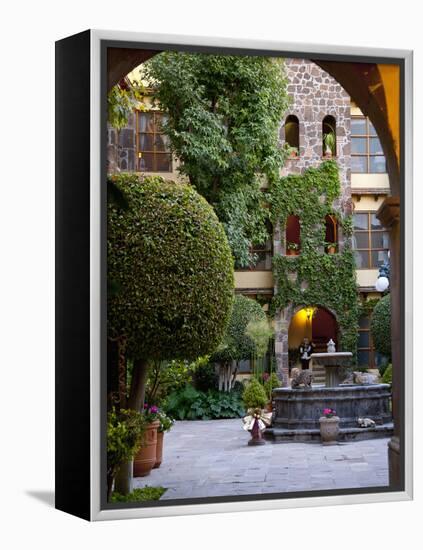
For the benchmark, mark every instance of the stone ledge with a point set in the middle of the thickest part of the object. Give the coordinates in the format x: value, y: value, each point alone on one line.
x: 282, y: 435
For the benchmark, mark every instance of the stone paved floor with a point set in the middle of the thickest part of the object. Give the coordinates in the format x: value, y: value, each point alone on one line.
x: 211, y: 458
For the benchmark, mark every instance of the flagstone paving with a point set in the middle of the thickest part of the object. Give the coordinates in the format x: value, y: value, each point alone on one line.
x: 212, y: 458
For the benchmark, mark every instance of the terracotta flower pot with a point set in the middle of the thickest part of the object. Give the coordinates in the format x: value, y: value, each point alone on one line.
x: 145, y: 458
x: 331, y: 249
x: 329, y: 430
x: 292, y: 252
x: 159, y: 449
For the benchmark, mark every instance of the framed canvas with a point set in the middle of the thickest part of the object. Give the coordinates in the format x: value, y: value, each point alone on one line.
x: 233, y: 275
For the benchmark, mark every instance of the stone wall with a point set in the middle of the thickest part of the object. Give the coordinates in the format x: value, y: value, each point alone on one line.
x: 122, y: 155
x: 314, y: 95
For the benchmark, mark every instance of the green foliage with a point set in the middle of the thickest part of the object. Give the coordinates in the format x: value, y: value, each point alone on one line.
x: 319, y: 279
x: 380, y: 325
x: 143, y: 494
x: 165, y: 377
x: 236, y: 344
x: 170, y: 268
x: 121, y: 103
x: 260, y: 333
x: 125, y: 429
x: 166, y: 422
x: 387, y: 375
x: 254, y: 395
x: 191, y: 404
x: 224, y: 117
x: 271, y: 383
x: 205, y: 377
x: 330, y: 142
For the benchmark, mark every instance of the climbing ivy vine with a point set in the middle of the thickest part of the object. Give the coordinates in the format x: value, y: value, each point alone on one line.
x: 314, y: 278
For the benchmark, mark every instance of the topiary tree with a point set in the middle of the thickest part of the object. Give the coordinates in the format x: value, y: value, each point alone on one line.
x: 380, y: 325
x: 170, y: 274
x: 237, y: 345
x: 254, y: 395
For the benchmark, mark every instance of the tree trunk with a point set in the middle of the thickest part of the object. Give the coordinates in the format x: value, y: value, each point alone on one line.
x: 235, y: 372
x: 137, y: 391
x: 124, y: 477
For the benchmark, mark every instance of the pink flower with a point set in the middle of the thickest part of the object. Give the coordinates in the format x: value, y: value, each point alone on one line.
x: 154, y: 409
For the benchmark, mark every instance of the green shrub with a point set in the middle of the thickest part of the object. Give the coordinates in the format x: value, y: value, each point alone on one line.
x: 380, y: 326
x: 254, y: 395
x: 191, y: 404
x: 170, y: 270
x: 139, y: 495
x: 205, y: 377
x: 164, y: 377
x: 271, y: 383
x: 125, y: 429
x: 387, y: 375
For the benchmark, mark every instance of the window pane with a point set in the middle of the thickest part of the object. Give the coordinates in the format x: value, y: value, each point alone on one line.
x: 146, y: 142
x: 375, y: 222
x: 375, y: 146
x: 372, y: 130
x: 363, y: 339
x: 364, y: 322
x: 162, y: 142
x: 146, y: 162
x: 380, y: 239
x: 359, y: 165
x: 361, y: 240
x: 377, y: 164
x: 361, y: 221
x: 358, y: 145
x: 361, y: 259
x: 146, y: 123
x: 363, y: 358
x: 358, y: 126
x: 379, y: 257
x: 163, y: 163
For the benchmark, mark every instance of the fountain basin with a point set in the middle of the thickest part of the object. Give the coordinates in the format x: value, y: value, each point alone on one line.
x: 334, y: 363
x: 297, y: 411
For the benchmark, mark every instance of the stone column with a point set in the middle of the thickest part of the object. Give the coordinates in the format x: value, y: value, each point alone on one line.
x: 281, y: 346
x: 389, y: 215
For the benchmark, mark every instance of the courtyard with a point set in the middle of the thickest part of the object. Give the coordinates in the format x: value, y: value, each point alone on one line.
x: 212, y: 458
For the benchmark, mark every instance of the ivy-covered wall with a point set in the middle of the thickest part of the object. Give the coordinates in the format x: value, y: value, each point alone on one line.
x: 314, y: 277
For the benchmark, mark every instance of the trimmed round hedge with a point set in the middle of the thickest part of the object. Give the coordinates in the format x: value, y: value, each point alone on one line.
x: 380, y: 325
x: 170, y: 270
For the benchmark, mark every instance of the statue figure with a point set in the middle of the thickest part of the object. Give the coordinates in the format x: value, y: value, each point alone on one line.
x: 331, y: 346
x: 301, y: 377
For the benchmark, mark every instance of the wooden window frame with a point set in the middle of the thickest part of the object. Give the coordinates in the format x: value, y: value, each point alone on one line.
x: 369, y: 232
x: 154, y: 152
x: 370, y: 349
x: 367, y: 155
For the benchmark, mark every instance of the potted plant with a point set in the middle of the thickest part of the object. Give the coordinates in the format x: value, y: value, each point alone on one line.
x: 329, y: 427
x: 330, y: 144
x: 254, y: 397
x: 292, y: 249
x: 293, y: 152
x: 331, y: 248
x: 165, y: 425
x: 145, y: 458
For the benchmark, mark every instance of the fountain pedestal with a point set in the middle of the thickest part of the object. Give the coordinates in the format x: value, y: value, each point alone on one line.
x: 334, y: 364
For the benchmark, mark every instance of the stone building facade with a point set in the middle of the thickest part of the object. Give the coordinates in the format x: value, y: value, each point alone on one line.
x: 315, y: 97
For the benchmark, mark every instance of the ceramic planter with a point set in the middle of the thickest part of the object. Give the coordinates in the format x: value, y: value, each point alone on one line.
x: 292, y: 252
x: 329, y: 430
x: 331, y: 249
x: 145, y: 459
x: 159, y: 449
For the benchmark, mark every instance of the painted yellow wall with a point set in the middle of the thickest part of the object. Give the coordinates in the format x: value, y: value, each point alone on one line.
x: 367, y: 277
x: 377, y: 181
x: 367, y: 203
x: 253, y: 279
x: 299, y: 328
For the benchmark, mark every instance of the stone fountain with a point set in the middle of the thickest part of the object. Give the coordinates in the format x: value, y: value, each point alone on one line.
x: 297, y: 410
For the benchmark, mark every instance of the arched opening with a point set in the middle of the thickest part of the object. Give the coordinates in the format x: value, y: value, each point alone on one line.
x: 331, y: 234
x: 292, y: 134
x: 329, y: 136
x: 317, y: 324
x: 292, y: 235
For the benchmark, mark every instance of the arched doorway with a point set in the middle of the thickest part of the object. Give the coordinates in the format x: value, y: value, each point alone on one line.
x: 318, y: 324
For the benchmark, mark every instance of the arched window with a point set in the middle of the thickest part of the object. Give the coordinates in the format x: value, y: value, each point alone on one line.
x: 329, y: 136
x: 292, y: 134
x: 292, y: 234
x: 331, y: 234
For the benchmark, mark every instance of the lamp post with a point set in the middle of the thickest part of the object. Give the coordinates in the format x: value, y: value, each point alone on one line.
x: 382, y: 282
